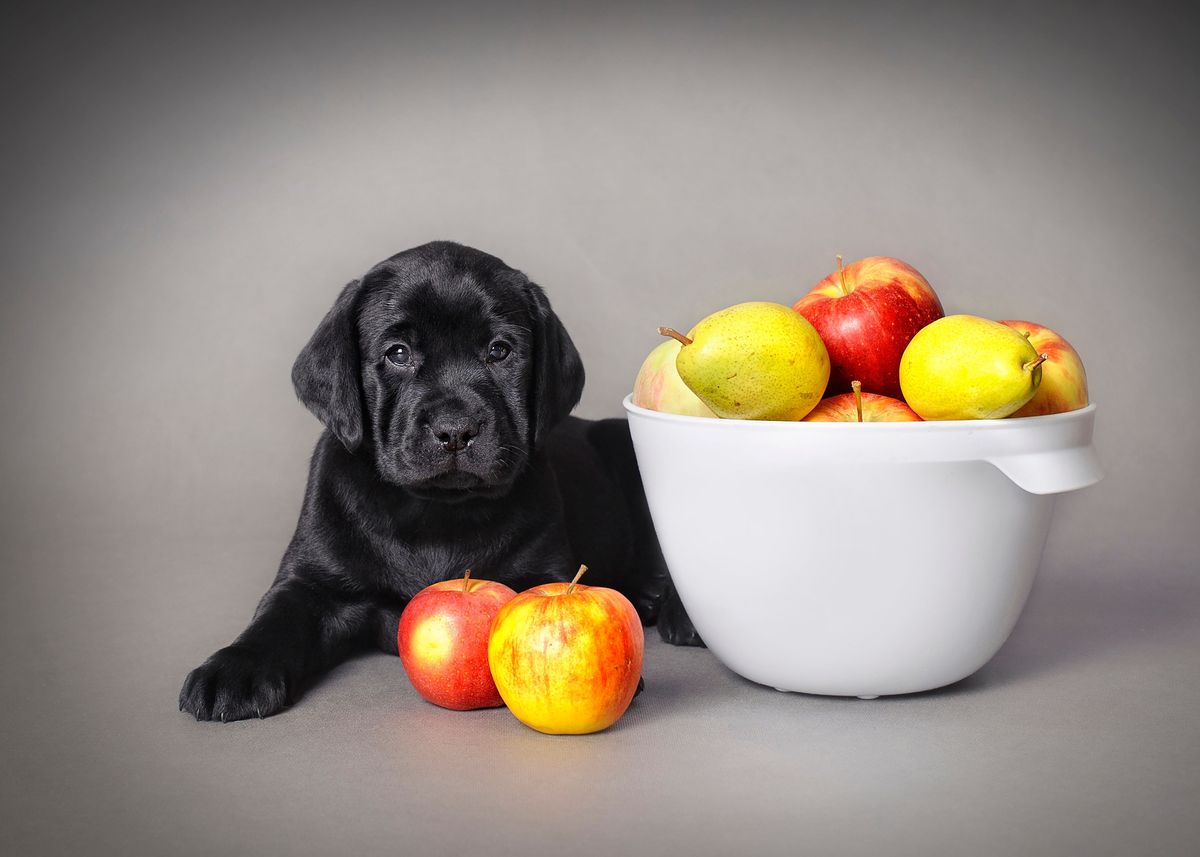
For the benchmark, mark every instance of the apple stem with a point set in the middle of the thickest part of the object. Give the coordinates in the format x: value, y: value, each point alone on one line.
x: 467, y: 581
x: 1033, y: 364
x: 675, y: 334
x: 856, y: 386
x: 575, y: 580
x: 842, y: 277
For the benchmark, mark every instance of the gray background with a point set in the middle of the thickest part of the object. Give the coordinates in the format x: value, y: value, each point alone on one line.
x: 186, y: 189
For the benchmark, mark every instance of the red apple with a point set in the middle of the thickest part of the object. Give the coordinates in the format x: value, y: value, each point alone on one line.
x: 567, y: 658
x: 860, y: 407
x: 443, y: 641
x: 1064, y: 383
x: 866, y: 314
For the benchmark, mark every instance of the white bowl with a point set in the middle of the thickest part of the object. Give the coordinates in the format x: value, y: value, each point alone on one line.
x: 857, y: 559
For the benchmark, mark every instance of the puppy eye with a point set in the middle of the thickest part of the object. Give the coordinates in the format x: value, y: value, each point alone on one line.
x: 498, y: 352
x: 399, y: 355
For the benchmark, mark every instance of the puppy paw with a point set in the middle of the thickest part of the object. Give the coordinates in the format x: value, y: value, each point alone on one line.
x: 234, y: 684
x: 674, y: 626
x: 647, y: 606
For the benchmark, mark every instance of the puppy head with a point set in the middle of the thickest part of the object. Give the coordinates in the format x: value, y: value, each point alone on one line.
x: 446, y: 366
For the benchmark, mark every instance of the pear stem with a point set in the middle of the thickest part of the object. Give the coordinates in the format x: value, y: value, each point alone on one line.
x: 467, y: 581
x: 1033, y: 364
x: 675, y: 334
x: 578, y: 574
x: 842, y: 277
x: 856, y: 386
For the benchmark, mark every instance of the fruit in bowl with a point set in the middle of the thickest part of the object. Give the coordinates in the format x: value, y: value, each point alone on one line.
x: 866, y: 314
x: 875, y: 620
x: 860, y: 407
x: 1064, y: 382
x: 443, y: 640
x: 963, y: 367
x: 659, y: 387
x: 754, y: 361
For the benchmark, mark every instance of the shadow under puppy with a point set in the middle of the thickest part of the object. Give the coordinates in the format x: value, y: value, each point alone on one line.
x: 445, y: 381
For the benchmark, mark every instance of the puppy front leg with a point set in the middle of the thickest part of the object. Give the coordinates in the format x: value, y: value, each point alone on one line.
x: 297, y: 632
x: 674, y: 624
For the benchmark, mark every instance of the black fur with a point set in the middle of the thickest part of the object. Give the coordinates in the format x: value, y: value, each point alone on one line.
x: 460, y: 457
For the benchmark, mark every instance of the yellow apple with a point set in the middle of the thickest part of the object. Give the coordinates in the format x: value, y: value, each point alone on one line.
x: 567, y: 658
x: 659, y: 387
x: 1064, y: 383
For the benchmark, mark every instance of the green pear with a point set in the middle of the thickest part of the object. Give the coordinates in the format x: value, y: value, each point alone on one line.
x: 754, y: 361
x: 963, y: 367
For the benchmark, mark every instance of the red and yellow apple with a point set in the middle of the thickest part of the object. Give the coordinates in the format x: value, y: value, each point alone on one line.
x: 443, y: 641
x: 866, y: 314
x: 659, y: 387
x: 567, y: 658
x: 1064, y: 383
x: 860, y: 407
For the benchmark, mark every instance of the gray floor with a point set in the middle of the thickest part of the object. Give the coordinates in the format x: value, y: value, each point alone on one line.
x: 187, y: 187
x: 1079, y: 738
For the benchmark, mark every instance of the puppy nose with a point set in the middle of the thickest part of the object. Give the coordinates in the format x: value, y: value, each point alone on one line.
x: 454, y: 433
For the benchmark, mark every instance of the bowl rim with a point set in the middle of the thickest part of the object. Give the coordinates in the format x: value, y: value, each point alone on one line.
x: 1004, y: 424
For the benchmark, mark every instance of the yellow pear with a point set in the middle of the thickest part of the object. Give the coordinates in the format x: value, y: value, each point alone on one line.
x: 754, y: 361
x: 963, y: 367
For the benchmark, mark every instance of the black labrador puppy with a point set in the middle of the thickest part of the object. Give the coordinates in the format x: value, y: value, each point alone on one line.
x: 444, y: 380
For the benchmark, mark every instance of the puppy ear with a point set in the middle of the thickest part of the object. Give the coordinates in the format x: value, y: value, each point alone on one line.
x: 326, y: 374
x: 557, y: 369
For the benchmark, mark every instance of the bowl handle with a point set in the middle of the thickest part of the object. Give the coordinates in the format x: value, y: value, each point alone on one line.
x: 1053, y: 471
